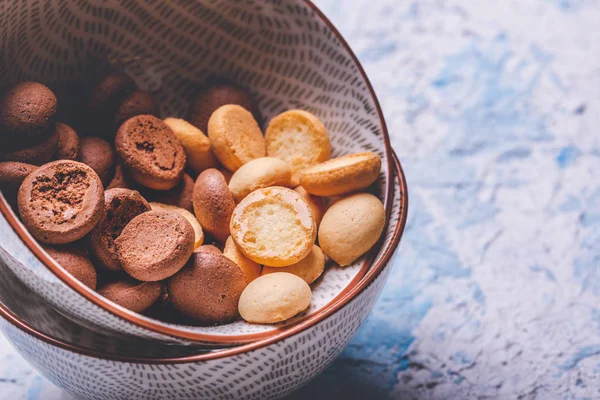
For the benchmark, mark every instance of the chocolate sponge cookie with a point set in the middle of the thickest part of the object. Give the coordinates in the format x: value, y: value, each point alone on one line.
x: 75, y: 262
x: 110, y: 90
x: 155, y: 245
x: 121, y: 206
x: 99, y: 155
x: 68, y: 143
x: 12, y: 174
x: 150, y: 152
x: 26, y: 111
x: 138, y: 102
x: 38, y: 153
x: 133, y: 295
x: 61, y: 201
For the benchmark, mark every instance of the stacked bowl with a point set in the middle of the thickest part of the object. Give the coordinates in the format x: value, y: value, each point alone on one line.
x: 289, y: 56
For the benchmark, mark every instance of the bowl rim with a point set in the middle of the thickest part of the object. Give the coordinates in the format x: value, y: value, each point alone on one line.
x: 18, y: 323
x: 218, y: 339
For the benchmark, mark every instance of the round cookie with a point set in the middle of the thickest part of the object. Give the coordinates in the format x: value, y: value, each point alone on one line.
x: 235, y: 137
x: 61, y: 201
x: 198, y: 232
x: 132, y: 295
x: 309, y: 268
x: 121, y: 206
x: 138, y: 102
x: 195, y: 144
x: 27, y: 110
x: 75, y: 262
x: 181, y: 195
x: 109, y: 90
x: 151, y: 152
x: 99, y: 155
x: 351, y: 226
x: 341, y: 175
x: 216, y: 96
x: 37, y: 154
x: 68, y: 143
x: 213, y: 203
x: 299, y: 138
x: 273, y: 226
x: 257, y: 174
x: 208, y: 288
x: 12, y: 174
x: 250, y: 268
x: 155, y: 245
x: 316, y: 203
x: 274, y: 298
x: 207, y: 248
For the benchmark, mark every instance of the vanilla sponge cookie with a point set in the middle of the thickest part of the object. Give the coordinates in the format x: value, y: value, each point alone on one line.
x: 250, y: 268
x: 341, y: 175
x: 274, y: 298
x: 316, y: 203
x: 273, y: 226
x: 235, y: 136
x: 309, y: 268
x: 195, y: 144
x: 299, y: 138
x: 257, y: 174
x: 351, y: 226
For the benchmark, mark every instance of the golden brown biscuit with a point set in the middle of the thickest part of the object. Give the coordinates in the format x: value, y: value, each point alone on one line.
x: 198, y: 232
x: 250, y: 268
x: 75, y: 262
x: 257, y: 174
x: 309, y: 268
x: 213, y: 203
x: 274, y: 298
x: 235, y: 136
x: 273, y: 226
x: 351, y: 226
x: 299, y: 138
x: 133, y: 295
x: 341, y: 175
x: 316, y: 203
x: 195, y: 143
x: 208, y: 288
x: 155, y: 245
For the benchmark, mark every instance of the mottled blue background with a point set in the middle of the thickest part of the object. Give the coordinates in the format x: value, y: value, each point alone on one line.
x: 493, y: 108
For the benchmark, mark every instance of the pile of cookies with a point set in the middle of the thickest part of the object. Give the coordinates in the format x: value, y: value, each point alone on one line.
x: 158, y: 216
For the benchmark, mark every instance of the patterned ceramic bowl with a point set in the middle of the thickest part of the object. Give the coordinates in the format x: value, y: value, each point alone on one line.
x: 269, y: 368
x: 286, y: 52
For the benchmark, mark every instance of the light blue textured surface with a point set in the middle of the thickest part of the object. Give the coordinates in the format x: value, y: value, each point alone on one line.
x: 494, y: 110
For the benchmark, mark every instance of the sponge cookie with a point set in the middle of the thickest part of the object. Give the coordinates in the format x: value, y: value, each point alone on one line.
x: 198, y: 232
x: 39, y: 153
x: 133, y: 295
x: 316, y: 203
x: 151, y: 152
x: 75, y: 262
x: 351, y: 226
x: 250, y: 268
x: 309, y: 268
x: 273, y: 226
x: 155, y: 245
x: 61, y: 201
x: 235, y: 136
x: 216, y: 96
x: 274, y: 298
x: 213, y: 203
x: 259, y: 173
x: 196, y: 145
x: 99, y: 155
x: 12, y: 174
x: 121, y: 206
x: 341, y: 175
x: 299, y: 138
x: 208, y: 288
x: 138, y: 102
x: 27, y: 110
x: 68, y: 143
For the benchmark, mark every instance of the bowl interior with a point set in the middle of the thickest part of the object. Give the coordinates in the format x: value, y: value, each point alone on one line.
x: 283, y: 52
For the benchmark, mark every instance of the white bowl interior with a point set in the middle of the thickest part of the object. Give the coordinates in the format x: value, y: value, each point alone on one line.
x: 283, y: 52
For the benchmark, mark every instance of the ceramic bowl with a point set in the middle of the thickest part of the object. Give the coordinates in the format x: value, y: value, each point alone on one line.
x: 268, y: 368
x: 286, y: 52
